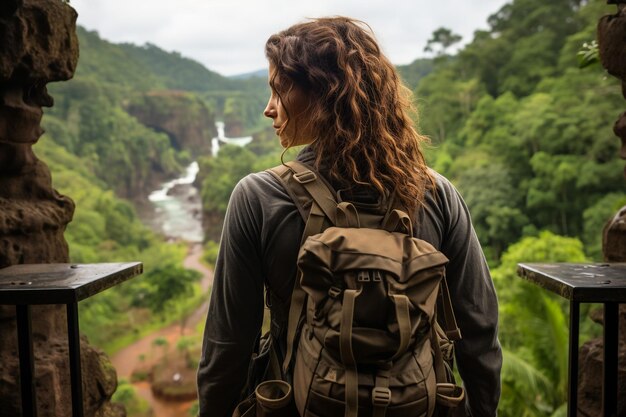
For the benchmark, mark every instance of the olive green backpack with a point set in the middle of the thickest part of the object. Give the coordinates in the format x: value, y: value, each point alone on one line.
x: 362, y: 327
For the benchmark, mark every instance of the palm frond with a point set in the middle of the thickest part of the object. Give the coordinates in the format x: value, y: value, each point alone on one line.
x: 561, y: 411
x: 533, y: 384
x: 559, y: 334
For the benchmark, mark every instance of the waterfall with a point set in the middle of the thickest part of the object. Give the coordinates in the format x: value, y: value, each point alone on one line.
x: 221, y: 137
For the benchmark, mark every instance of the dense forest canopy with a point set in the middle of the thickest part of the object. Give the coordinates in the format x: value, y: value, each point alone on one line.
x: 513, y: 111
x: 520, y: 129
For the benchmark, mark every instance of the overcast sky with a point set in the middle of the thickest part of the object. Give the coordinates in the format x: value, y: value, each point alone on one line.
x: 228, y: 36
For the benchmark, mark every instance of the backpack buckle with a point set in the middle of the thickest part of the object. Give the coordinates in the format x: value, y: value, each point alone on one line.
x: 377, y: 276
x: 334, y: 292
x: 381, y: 396
x: 305, y: 177
x: 363, y: 276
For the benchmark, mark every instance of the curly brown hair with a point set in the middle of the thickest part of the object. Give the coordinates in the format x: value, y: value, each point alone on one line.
x: 359, y: 109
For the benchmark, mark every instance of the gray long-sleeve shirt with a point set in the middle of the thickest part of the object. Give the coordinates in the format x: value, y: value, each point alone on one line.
x: 259, y: 246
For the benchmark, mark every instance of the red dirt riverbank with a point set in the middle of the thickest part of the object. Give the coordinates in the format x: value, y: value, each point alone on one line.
x: 127, y: 359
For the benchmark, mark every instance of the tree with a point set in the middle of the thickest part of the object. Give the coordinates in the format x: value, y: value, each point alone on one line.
x: 221, y: 174
x: 552, y: 197
x: 440, y: 111
x: 162, y: 286
x: 127, y: 395
x: 531, y: 60
x: 533, y: 329
x: 445, y: 102
x: 494, y: 203
x: 595, y: 218
x: 444, y: 38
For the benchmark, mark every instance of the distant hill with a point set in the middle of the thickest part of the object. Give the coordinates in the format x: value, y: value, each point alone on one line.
x: 412, y: 73
x: 107, y: 63
x: 146, y: 67
x: 177, y: 71
x: 261, y: 73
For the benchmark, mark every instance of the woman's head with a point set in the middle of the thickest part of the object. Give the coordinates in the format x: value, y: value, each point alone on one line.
x: 341, y: 94
x: 288, y: 107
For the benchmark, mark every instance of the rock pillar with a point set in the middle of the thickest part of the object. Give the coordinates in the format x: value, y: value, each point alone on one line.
x: 39, y: 45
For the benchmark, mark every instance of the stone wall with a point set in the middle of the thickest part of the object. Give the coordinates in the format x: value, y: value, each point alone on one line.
x: 39, y: 45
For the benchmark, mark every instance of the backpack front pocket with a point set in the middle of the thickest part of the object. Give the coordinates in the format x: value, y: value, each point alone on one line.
x: 319, y: 382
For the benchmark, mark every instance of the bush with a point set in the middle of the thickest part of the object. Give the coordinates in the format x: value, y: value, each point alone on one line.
x: 211, y: 249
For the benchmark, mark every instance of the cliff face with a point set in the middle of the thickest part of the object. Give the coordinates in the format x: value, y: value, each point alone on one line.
x: 39, y: 45
x: 182, y: 116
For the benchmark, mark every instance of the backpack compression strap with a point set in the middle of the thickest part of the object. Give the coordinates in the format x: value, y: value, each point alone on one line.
x: 397, y: 219
x: 449, y: 321
x: 303, y: 184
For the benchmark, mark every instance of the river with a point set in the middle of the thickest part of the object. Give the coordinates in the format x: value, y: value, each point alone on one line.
x: 177, y: 208
x: 174, y: 211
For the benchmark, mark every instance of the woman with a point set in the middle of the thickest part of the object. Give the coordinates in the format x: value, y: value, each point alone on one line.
x: 333, y: 90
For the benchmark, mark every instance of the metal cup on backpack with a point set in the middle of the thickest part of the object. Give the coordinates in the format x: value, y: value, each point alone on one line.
x: 273, y: 399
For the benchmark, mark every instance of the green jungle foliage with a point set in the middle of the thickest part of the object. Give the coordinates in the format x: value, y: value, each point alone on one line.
x: 126, y: 394
x: 412, y: 73
x: 176, y: 71
x: 522, y: 131
x: 533, y: 328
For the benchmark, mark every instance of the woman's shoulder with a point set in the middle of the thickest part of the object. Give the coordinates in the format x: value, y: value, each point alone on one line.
x: 259, y: 190
x: 255, y: 179
x: 257, y: 182
x: 443, y: 186
x: 444, y: 200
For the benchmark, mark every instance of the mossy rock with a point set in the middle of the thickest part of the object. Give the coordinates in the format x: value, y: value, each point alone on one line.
x: 173, y: 380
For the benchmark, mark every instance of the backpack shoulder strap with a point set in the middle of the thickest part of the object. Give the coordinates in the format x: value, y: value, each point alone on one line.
x: 296, y: 192
x: 303, y: 184
x: 306, y: 188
